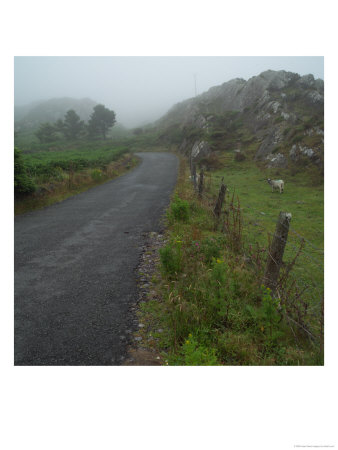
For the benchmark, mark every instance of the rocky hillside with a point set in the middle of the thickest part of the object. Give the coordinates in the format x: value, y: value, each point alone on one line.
x: 276, y: 118
x: 30, y: 116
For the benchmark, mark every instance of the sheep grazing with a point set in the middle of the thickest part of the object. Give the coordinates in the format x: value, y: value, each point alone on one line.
x: 276, y: 184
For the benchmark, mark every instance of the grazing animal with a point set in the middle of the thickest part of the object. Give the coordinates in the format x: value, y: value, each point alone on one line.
x: 276, y: 184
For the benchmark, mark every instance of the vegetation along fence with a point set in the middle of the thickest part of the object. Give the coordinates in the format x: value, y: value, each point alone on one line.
x: 288, y: 263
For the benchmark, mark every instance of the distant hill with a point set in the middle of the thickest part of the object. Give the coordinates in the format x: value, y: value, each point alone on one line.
x: 276, y: 117
x: 30, y: 116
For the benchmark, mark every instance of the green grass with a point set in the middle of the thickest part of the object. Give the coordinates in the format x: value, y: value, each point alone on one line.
x: 213, y: 309
x: 66, y: 169
x: 261, y: 207
x: 90, y: 155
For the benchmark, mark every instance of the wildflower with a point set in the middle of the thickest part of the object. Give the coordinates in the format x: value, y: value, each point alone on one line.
x: 219, y: 261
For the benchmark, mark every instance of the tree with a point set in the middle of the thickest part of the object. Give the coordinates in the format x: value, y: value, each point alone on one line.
x: 59, y: 126
x: 23, y: 184
x: 46, y: 132
x: 72, y: 125
x: 100, y: 121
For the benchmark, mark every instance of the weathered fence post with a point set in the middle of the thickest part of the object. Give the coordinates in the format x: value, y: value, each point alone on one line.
x: 276, y: 251
x: 200, y: 184
x: 220, y: 200
x: 193, y: 174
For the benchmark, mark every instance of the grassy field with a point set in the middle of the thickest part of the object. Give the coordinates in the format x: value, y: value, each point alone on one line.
x: 211, y: 306
x: 260, y: 209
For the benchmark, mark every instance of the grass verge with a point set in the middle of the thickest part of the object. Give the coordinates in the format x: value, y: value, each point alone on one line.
x: 212, y: 308
x: 66, y: 183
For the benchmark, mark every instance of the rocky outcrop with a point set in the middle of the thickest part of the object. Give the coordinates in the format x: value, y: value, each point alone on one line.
x: 298, y: 152
x: 276, y: 106
x: 199, y: 151
x: 269, y: 144
x: 277, y: 160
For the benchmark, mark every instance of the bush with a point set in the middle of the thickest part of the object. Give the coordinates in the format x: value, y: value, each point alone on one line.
x: 23, y: 184
x: 193, y: 353
x: 179, y: 209
x: 97, y: 175
x: 171, y: 258
x: 239, y: 156
x: 210, y: 247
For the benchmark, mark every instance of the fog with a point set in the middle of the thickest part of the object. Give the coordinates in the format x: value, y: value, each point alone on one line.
x: 141, y: 89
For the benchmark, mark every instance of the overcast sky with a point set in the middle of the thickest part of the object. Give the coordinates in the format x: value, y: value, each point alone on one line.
x: 141, y: 89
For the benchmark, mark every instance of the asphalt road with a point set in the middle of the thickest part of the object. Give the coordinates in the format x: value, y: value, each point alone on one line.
x: 75, y: 267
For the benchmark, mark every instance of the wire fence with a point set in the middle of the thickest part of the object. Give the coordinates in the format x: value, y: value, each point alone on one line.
x: 301, y: 274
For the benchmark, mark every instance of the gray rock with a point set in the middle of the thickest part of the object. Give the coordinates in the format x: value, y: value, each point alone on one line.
x: 276, y: 160
x: 306, y: 81
x: 269, y: 143
x: 298, y: 150
x: 274, y: 106
x: 315, y: 97
x: 200, y: 150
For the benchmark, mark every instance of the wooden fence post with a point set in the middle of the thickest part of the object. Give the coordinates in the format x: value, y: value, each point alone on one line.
x: 276, y: 251
x: 193, y: 174
x: 200, y: 184
x: 220, y: 200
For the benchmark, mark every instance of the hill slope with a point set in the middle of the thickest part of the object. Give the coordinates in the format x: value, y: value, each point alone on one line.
x: 276, y: 117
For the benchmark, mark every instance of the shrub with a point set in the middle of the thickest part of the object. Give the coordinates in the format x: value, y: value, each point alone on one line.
x: 171, y: 258
x: 210, y: 247
x: 193, y: 353
x: 239, y: 156
x: 97, y: 175
x: 23, y: 184
x: 179, y: 209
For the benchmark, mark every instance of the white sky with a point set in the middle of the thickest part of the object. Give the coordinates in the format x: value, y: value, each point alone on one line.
x: 141, y: 89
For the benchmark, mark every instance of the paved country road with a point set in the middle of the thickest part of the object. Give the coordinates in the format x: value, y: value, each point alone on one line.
x: 75, y: 267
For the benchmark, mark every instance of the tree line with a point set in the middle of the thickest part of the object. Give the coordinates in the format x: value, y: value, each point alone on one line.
x: 72, y: 127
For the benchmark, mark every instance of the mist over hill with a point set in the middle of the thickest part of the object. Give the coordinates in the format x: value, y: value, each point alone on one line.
x: 32, y: 115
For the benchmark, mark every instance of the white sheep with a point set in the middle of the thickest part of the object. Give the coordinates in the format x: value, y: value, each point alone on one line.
x: 278, y: 184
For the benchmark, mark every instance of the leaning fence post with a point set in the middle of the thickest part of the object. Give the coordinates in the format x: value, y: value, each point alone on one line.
x: 220, y: 200
x: 276, y: 251
x: 200, y: 184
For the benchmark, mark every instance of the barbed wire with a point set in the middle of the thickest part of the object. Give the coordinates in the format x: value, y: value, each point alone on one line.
x: 302, y: 278
x: 233, y: 188
x: 268, y: 216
